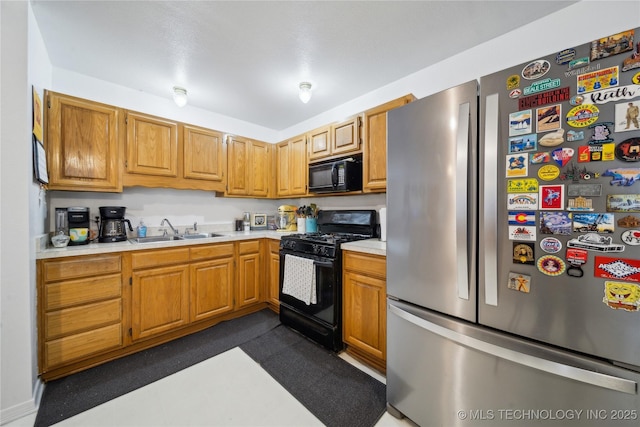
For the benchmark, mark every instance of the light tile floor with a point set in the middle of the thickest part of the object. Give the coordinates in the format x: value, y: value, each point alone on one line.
x: 227, y: 390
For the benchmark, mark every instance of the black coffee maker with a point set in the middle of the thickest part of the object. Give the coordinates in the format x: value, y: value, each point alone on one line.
x: 112, y: 224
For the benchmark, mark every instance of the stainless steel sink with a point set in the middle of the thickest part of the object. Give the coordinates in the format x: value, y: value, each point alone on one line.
x: 200, y: 235
x: 155, y: 239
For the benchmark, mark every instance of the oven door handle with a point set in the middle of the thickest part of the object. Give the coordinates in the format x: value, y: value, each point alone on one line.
x: 323, y: 263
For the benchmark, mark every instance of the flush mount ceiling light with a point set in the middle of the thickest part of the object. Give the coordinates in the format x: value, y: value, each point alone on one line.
x: 305, y: 92
x: 180, y: 96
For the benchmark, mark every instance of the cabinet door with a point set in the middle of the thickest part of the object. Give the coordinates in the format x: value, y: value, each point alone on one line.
x: 345, y: 136
x: 274, y: 274
x: 374, y: 168
x: 298, y: 170
x: 249, y: 273
x: 320, y: 143
x: 203, y: 154
x: 260, y: 168
x: 160, y: 300
x: 283, y: 174
x: 211, y: 288
x: 365, y: 313
x: 83, y: 144
x: 237, y: 167
x: 152, y: 145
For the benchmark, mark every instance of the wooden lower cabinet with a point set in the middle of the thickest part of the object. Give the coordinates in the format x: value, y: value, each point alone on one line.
x: 249, y: 273
x: 364, y: 307
x: 80, y: 302
x: 212, y: 281
x: 273, y: 291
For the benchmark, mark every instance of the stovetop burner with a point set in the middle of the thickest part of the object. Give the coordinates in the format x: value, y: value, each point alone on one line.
x: 329, y: 238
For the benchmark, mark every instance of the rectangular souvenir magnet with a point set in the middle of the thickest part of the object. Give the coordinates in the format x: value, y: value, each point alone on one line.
x: 523, y: 143
x: 517, y: 164
x: 612, y: 45
x: 555, y: 223
x: 522, y: 201
x: 623, y: 203
x: 593, y: 222
x: 529, y: 185
x: 551, y: 197
x: 520, y: 123
x: 522, y: 233
x: 617, y: 268
x: 519, y: 282
x: 548, y: 118
x: 586, y: 190
x: 598, y: 80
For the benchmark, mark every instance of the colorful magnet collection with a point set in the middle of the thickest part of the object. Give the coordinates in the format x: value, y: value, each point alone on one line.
x: 560, y: 137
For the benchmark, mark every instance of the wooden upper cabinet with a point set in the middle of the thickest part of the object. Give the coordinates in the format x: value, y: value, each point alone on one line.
x: 291, y: 167
x: 83, y: 144
x: 374, y: 168
x: 152, y: 145
x: 203, y: 154
x: 320, y: 143
x: 345, y: 136
x: 248, y: 167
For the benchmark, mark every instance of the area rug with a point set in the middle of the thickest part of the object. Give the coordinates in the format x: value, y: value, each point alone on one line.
x: 336, y: 392
x: 79, y: 392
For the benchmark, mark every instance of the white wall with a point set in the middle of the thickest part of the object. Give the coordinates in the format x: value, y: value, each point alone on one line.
x: 574, y: 25
x: 19, y: 217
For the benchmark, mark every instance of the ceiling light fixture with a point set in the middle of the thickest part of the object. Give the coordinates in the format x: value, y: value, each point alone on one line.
x: 180, y: 96
x: 305, y: 92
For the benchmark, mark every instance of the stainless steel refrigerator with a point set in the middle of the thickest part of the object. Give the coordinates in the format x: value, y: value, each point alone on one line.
x: 513, y: 265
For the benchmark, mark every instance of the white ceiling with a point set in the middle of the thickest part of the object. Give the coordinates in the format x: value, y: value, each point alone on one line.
x: 245, y: 59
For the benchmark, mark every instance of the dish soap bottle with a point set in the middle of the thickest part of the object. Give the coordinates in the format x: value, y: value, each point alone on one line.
x: 141, y: 229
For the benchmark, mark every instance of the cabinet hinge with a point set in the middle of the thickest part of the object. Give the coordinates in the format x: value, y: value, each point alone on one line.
x: 130, y: 332
x: 130, y: 281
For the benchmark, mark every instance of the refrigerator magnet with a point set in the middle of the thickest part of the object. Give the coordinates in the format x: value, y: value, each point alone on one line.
x: 552, y: 197
x: 523, y: 143
x: 636, y: 79
x: 573, y: 135
x: 513, y: 82
x: 595, y: 242
x: 591, y: 190
x: 629, y: 221
x: 627, y: 115
x: 623, y: 177
x: 536, y: 69
x: 519, y: 282
x: 529, y: 185
x: 598, y: 80
x: 617, y: 268
x: 631, y: 237
x: 562, y: 156
x: 520, y: 123
x: 517, y: 165
x: 522, y: 201
x: 593, y: 222
x: 539, y: 158
x: 548, y: 118
x: 612, y: 45
x: 580, y: 204
x: 523, y: 233
x: 623, y: 202
x: 628, y: 150
x: 622, y: 296
x: 582, y: 116
x: 601, y: 133
x: 576, y: 258
x: 551, y: 245
x: 523, y: 253
x: 555, y: 223
x: 552, y: 139
x: 551, y: 265
x: 522, y: 218
x: 548, y: 172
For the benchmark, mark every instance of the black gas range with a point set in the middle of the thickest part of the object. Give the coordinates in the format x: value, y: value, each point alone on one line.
x: 311, y: 264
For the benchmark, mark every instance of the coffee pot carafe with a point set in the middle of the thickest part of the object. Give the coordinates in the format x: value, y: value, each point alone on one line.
x: 112, y: 224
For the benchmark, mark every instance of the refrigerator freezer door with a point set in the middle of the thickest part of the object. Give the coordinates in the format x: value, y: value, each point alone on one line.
x: 431, y: 201
x: 442, y: 371
x: 559, y: 309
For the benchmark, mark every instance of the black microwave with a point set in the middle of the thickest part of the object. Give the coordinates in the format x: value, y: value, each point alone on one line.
x: 337, y: 175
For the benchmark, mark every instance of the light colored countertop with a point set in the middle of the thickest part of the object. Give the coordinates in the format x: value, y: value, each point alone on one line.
x: 103, y: 248
x: 369, y: 246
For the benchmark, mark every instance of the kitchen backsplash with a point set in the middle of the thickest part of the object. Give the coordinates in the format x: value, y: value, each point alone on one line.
x: 184, y: 207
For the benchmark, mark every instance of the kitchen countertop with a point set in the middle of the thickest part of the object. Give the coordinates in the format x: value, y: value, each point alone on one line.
x: 369, y: 246
x: 103, y: 248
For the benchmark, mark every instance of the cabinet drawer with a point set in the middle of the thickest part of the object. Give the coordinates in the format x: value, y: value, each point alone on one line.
x: 76, y: 319
x: 371, y: 265
x: 75, y: 292
x: 212, y: 251
x: 250, y: 247
x: 159, y: 257
x: 72, y: 268
x: 73, y: 347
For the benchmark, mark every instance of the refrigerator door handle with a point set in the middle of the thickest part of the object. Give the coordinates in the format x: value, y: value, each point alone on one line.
x: 555, y: 368
x: 462, y: 164
x: 489, y: 218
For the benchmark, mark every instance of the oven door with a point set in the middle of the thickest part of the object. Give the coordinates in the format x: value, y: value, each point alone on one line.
x: 327, y: 309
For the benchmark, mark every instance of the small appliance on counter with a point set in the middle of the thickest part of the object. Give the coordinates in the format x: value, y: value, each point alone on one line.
x: 78, y: 223
x: 286, y: 219
x: 112, y: 224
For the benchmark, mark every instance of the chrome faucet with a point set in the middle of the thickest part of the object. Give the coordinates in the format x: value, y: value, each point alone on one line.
x: 169, y: 224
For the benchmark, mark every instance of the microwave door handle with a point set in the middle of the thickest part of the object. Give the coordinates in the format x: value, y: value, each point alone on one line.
x: 334, y: 175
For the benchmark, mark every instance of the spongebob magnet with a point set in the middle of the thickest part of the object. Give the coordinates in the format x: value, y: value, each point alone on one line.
x: 622, y: 296
x: 519, y: 282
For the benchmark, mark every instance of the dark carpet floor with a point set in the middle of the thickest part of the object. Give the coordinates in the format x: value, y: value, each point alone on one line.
x: 337, y: 393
